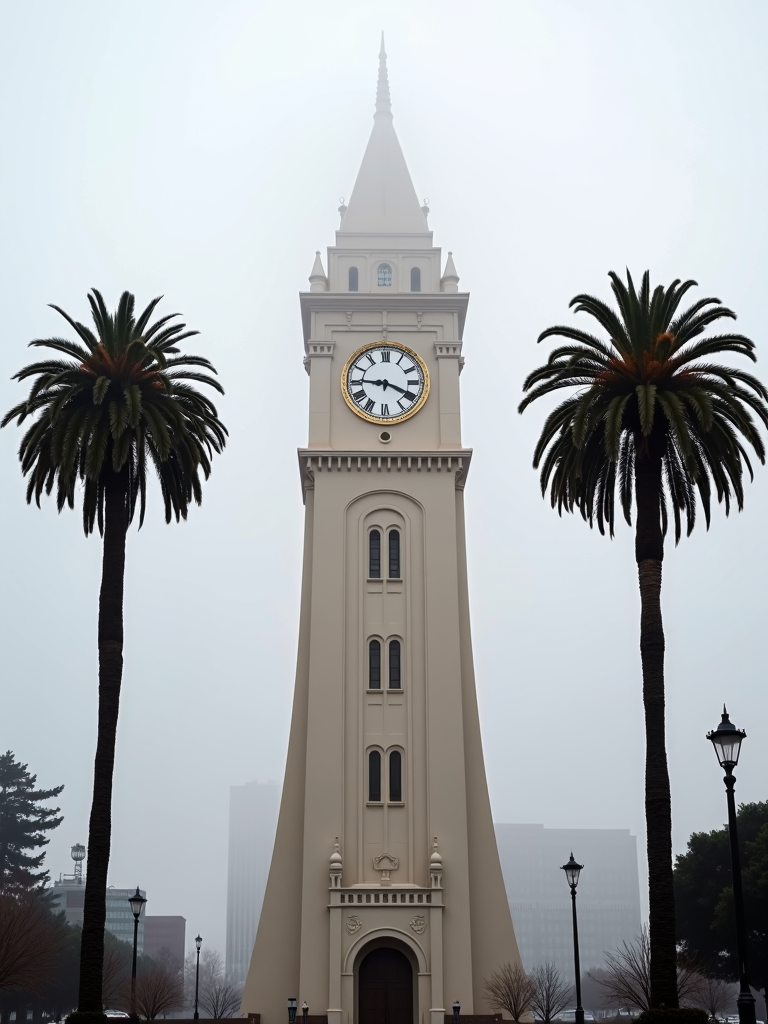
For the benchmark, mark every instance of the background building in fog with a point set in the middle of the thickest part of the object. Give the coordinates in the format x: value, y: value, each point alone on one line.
x: 68, y: 895
x: 164, y: 933
x: 253, y: 810
x: 608, y: 894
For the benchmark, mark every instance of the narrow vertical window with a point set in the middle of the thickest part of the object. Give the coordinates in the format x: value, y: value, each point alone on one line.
x: 353, y: 279
x: 394, y: 554
x: 385, y: 275
x: 374, y: 665
x: 374, y: 555
x: 395, y: 777
x: 374, y: 777
x: 415, y: 279
x: 394, y: 664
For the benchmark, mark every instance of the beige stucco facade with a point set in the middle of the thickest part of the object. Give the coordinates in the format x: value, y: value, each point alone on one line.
x: 420, y: 873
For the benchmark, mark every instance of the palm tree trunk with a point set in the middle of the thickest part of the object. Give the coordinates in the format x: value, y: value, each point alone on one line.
x: 110, y: 639
x: 649, y: 552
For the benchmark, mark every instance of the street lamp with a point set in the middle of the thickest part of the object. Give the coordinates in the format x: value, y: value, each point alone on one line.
x: 572, y: 871
x: 198, y: 944
x: 136, y: 903
x: 727, y: 740
x: 291, y: 1010
x: 305, y: 1011
x: 456, y: 1011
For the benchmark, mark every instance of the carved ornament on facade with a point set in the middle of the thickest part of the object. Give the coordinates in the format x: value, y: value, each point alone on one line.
x: 354, y: 924
x: 386, y: 863
x: 419, y: 924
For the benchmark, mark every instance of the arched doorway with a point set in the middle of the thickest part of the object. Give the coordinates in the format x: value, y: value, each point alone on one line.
x: 385, y: 988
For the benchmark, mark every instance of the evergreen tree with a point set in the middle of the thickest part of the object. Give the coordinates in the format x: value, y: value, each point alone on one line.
x: 23, y: 826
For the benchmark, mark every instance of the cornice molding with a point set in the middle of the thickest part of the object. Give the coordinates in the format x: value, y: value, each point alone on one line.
x: 312, y: 462
x: 416, y: 302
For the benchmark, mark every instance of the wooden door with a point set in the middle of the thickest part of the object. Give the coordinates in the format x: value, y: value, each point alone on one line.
x: 385, y: 988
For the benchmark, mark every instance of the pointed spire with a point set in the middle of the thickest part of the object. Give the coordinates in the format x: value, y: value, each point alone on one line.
x: 383, y: 101
x: 450, y: 279
x: 383, y: 201
x: 318, y: 282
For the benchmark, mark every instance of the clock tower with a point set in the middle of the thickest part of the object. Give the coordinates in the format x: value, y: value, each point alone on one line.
x: 385, y: 900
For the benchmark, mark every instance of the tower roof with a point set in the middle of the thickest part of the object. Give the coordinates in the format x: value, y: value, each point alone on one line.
x: 383, y: 200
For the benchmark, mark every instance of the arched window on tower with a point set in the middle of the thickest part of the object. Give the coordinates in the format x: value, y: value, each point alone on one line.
x: 353, y: 279
x: 394, y: 554
x: 374, y: 777
x: 385, y: 275
x: 395, y: 777
x: 415, y: 279
x: 374, y: 665
x: 394, y: 664
x: 374, y: 555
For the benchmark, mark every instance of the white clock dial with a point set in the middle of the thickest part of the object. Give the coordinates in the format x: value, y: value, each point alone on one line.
x: 385, y: 382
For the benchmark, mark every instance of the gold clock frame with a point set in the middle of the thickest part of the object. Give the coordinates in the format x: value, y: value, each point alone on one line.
x: 384, y: 421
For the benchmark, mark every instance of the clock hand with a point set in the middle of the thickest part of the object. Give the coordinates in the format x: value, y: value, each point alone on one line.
x: 386, y: 384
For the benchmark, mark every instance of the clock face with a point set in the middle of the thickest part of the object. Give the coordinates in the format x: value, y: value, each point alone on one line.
x: 385, y: 382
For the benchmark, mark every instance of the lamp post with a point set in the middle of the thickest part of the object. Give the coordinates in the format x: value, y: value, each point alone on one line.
x: 136, y: 902
x: 291, y: 1010
x: 198, y: 944
x: 572, y: 871
x: 456, y: 1011
x: 727, y: 740
x: 305, y: 1010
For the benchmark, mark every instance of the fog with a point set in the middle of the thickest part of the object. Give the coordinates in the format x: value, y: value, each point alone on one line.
x: 199, y: 150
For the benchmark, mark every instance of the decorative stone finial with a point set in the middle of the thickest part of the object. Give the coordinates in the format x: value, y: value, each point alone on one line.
x: 383, y: 101
x: 435, y: 860
x: 318, y: 282
x: 342, y: 208
x: 336, y: 862
x: 435, y: 867
x: 449, y: 282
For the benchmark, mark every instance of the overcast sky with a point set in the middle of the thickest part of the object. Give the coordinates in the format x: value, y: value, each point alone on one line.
x: 198, y: 150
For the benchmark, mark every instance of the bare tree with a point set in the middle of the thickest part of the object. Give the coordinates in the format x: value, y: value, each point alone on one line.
x: 218, y: 997
x: 157, y: 991
x: 117, y: 967
x: 550, y: 992
x: 30, y: 943
x: 713, y: 995
x: 509, y: 988
x: 627, y: 976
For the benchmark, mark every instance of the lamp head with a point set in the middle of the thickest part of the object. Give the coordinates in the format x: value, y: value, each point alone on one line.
x: 137, y: 902
x: 572, y: 871
x: 198, y: 942
x: 727, y: 740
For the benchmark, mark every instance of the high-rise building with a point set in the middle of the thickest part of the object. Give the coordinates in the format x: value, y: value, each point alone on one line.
x: 608, y: 893
x: 385, y: 898
x: 165, y: 934
x: 253, y: 812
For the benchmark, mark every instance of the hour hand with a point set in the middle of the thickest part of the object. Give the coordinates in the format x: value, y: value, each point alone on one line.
x: 395, y: 386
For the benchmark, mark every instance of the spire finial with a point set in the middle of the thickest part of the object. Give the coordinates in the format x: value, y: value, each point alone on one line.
x: 383, y: 102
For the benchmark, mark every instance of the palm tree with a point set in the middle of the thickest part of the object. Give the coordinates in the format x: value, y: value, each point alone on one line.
x: 120, y: 403
x: 653, y: 417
